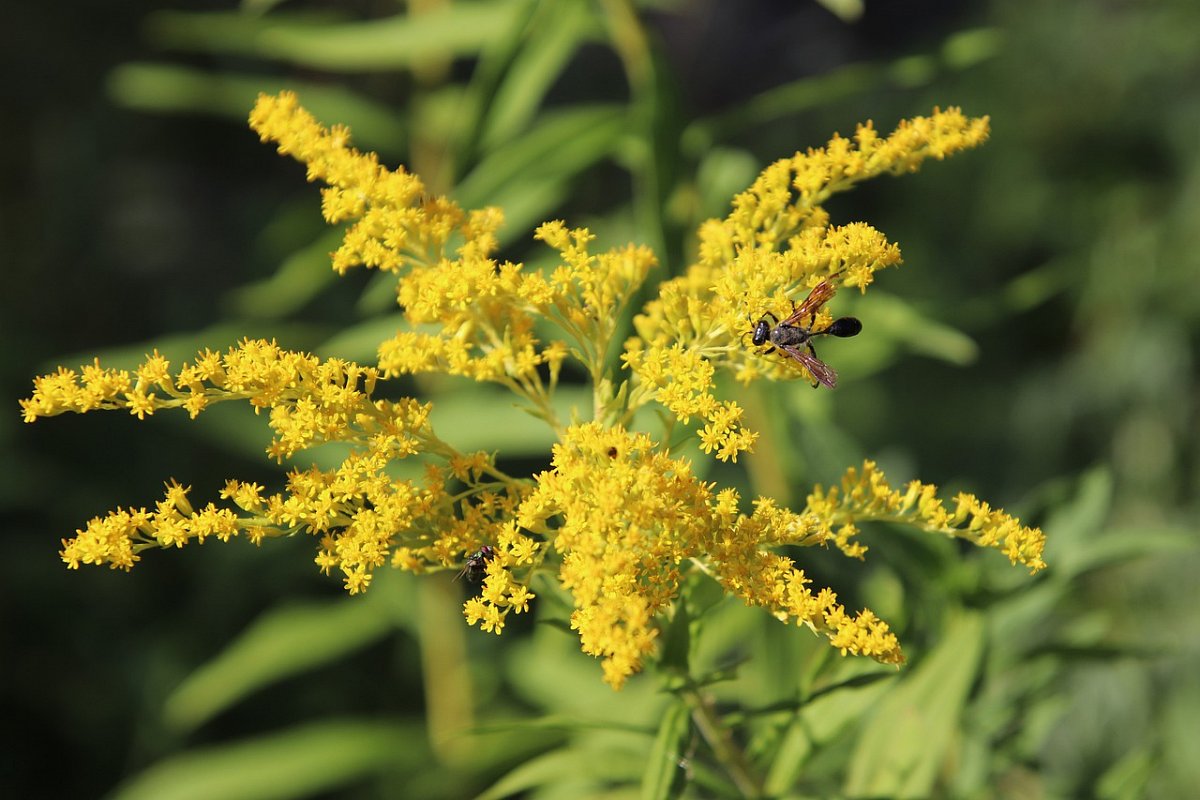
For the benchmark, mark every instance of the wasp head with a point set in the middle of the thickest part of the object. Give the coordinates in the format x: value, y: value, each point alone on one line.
x: 762, y: 332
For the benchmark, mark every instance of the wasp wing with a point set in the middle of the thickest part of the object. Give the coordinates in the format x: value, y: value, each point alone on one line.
x: 816, y: 367
x: 818, y: 297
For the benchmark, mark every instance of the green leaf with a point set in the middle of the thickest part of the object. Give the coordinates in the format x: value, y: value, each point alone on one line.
x: 1129, y: 777
x: 300, y: 278
x: 537, y: 64
x: 824, y: 718
x: 360, y: 341
x: 328, y: 42
x: 491, y: 421
x: 1072, y: 529
x: 581, y: 768
x: 959, y: 51
x: 554, y: 150
x: 723, y: 172
x: 458, y: 29
x: 664, y: 778
x: 896, y: 321
x: 228, y: 31
x: 676, y: 642
x: 281, y: 643
x: 845, y: 10
x: 1120, y: 545
x: 907, y: 741
x: 300, y: 762
x: 528, y: 203
x: 172, y: 89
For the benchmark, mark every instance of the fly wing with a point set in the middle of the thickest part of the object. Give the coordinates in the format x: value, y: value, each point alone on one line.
x: 816, y: 367
x: 818, y: 297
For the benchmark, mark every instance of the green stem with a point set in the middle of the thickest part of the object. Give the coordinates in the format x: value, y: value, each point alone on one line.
x: 633, y: 47
x: 724, y: 748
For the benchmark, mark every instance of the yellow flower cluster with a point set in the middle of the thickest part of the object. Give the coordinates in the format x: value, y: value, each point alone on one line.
x: 514, y: 554
x: 741, y: 559
x: 625, y: 517
x: 117, y: 538
x: 310, y: 400
x: 396, y: 223
x: 485, y: 311
x: 618, y: 517
x: 775, y: 246
x: 866, y: 495
x: 359, y: 510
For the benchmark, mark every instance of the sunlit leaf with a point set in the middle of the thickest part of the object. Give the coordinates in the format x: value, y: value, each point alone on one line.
x: 282, y: 643
x: 845, y: 10
x: 360, y: 341
x: 539, y: 61
x: 904, y: 745
x: 299, y: 279
x: 169, y: 88
x: 298, y: 762
x: 559, y: 146
x: 665, y: 776
x: 583, y: 769
x: 488, y: 420
x: 329, y: 42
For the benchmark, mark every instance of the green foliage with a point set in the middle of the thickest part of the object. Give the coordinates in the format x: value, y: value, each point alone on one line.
x: 1048, y: 294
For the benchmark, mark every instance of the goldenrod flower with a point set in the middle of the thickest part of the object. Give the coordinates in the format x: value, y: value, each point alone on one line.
x: 866, y: 495
x: 617, y: 518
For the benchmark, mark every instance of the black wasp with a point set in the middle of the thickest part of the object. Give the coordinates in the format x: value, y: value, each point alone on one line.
x: 475, y: 566
x: 795, y: 338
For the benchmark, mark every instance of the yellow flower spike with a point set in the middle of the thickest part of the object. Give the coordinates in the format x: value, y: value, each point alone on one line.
x: 866, y: 495
x: 617, y: 517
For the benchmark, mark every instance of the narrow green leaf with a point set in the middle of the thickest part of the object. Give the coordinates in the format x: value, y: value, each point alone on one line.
x: 723, y: 172
x: 300, y: 278
x: 1121, y: 545
x: 906, y: 742
x: 540, y: 60
x: 558, y: 147
x: 664, y: 776
x: 845, y: 10
x: 172, y: 89
x: 1073, y: 527
x: 583, y: 768
x: 570, y: 724
x: 327, y: 41
x: 823, y: 719
x: 489, y: 420
x: 281, y: 643
x: 1129, y: 777
x: 300, y: 762
x: 959, y: 51
x: 895, y: 320
x: 228, y: 31
x: 360, y: 341
x: 676, y: 642
x: 527, y: 203
x: 458, y: 29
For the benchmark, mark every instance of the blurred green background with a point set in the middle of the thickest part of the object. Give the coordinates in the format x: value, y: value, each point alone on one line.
x: 1037, y: 347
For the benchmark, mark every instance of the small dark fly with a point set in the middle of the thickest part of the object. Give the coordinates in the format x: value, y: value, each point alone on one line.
x: 794, y: 337
x: 475, y: 566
